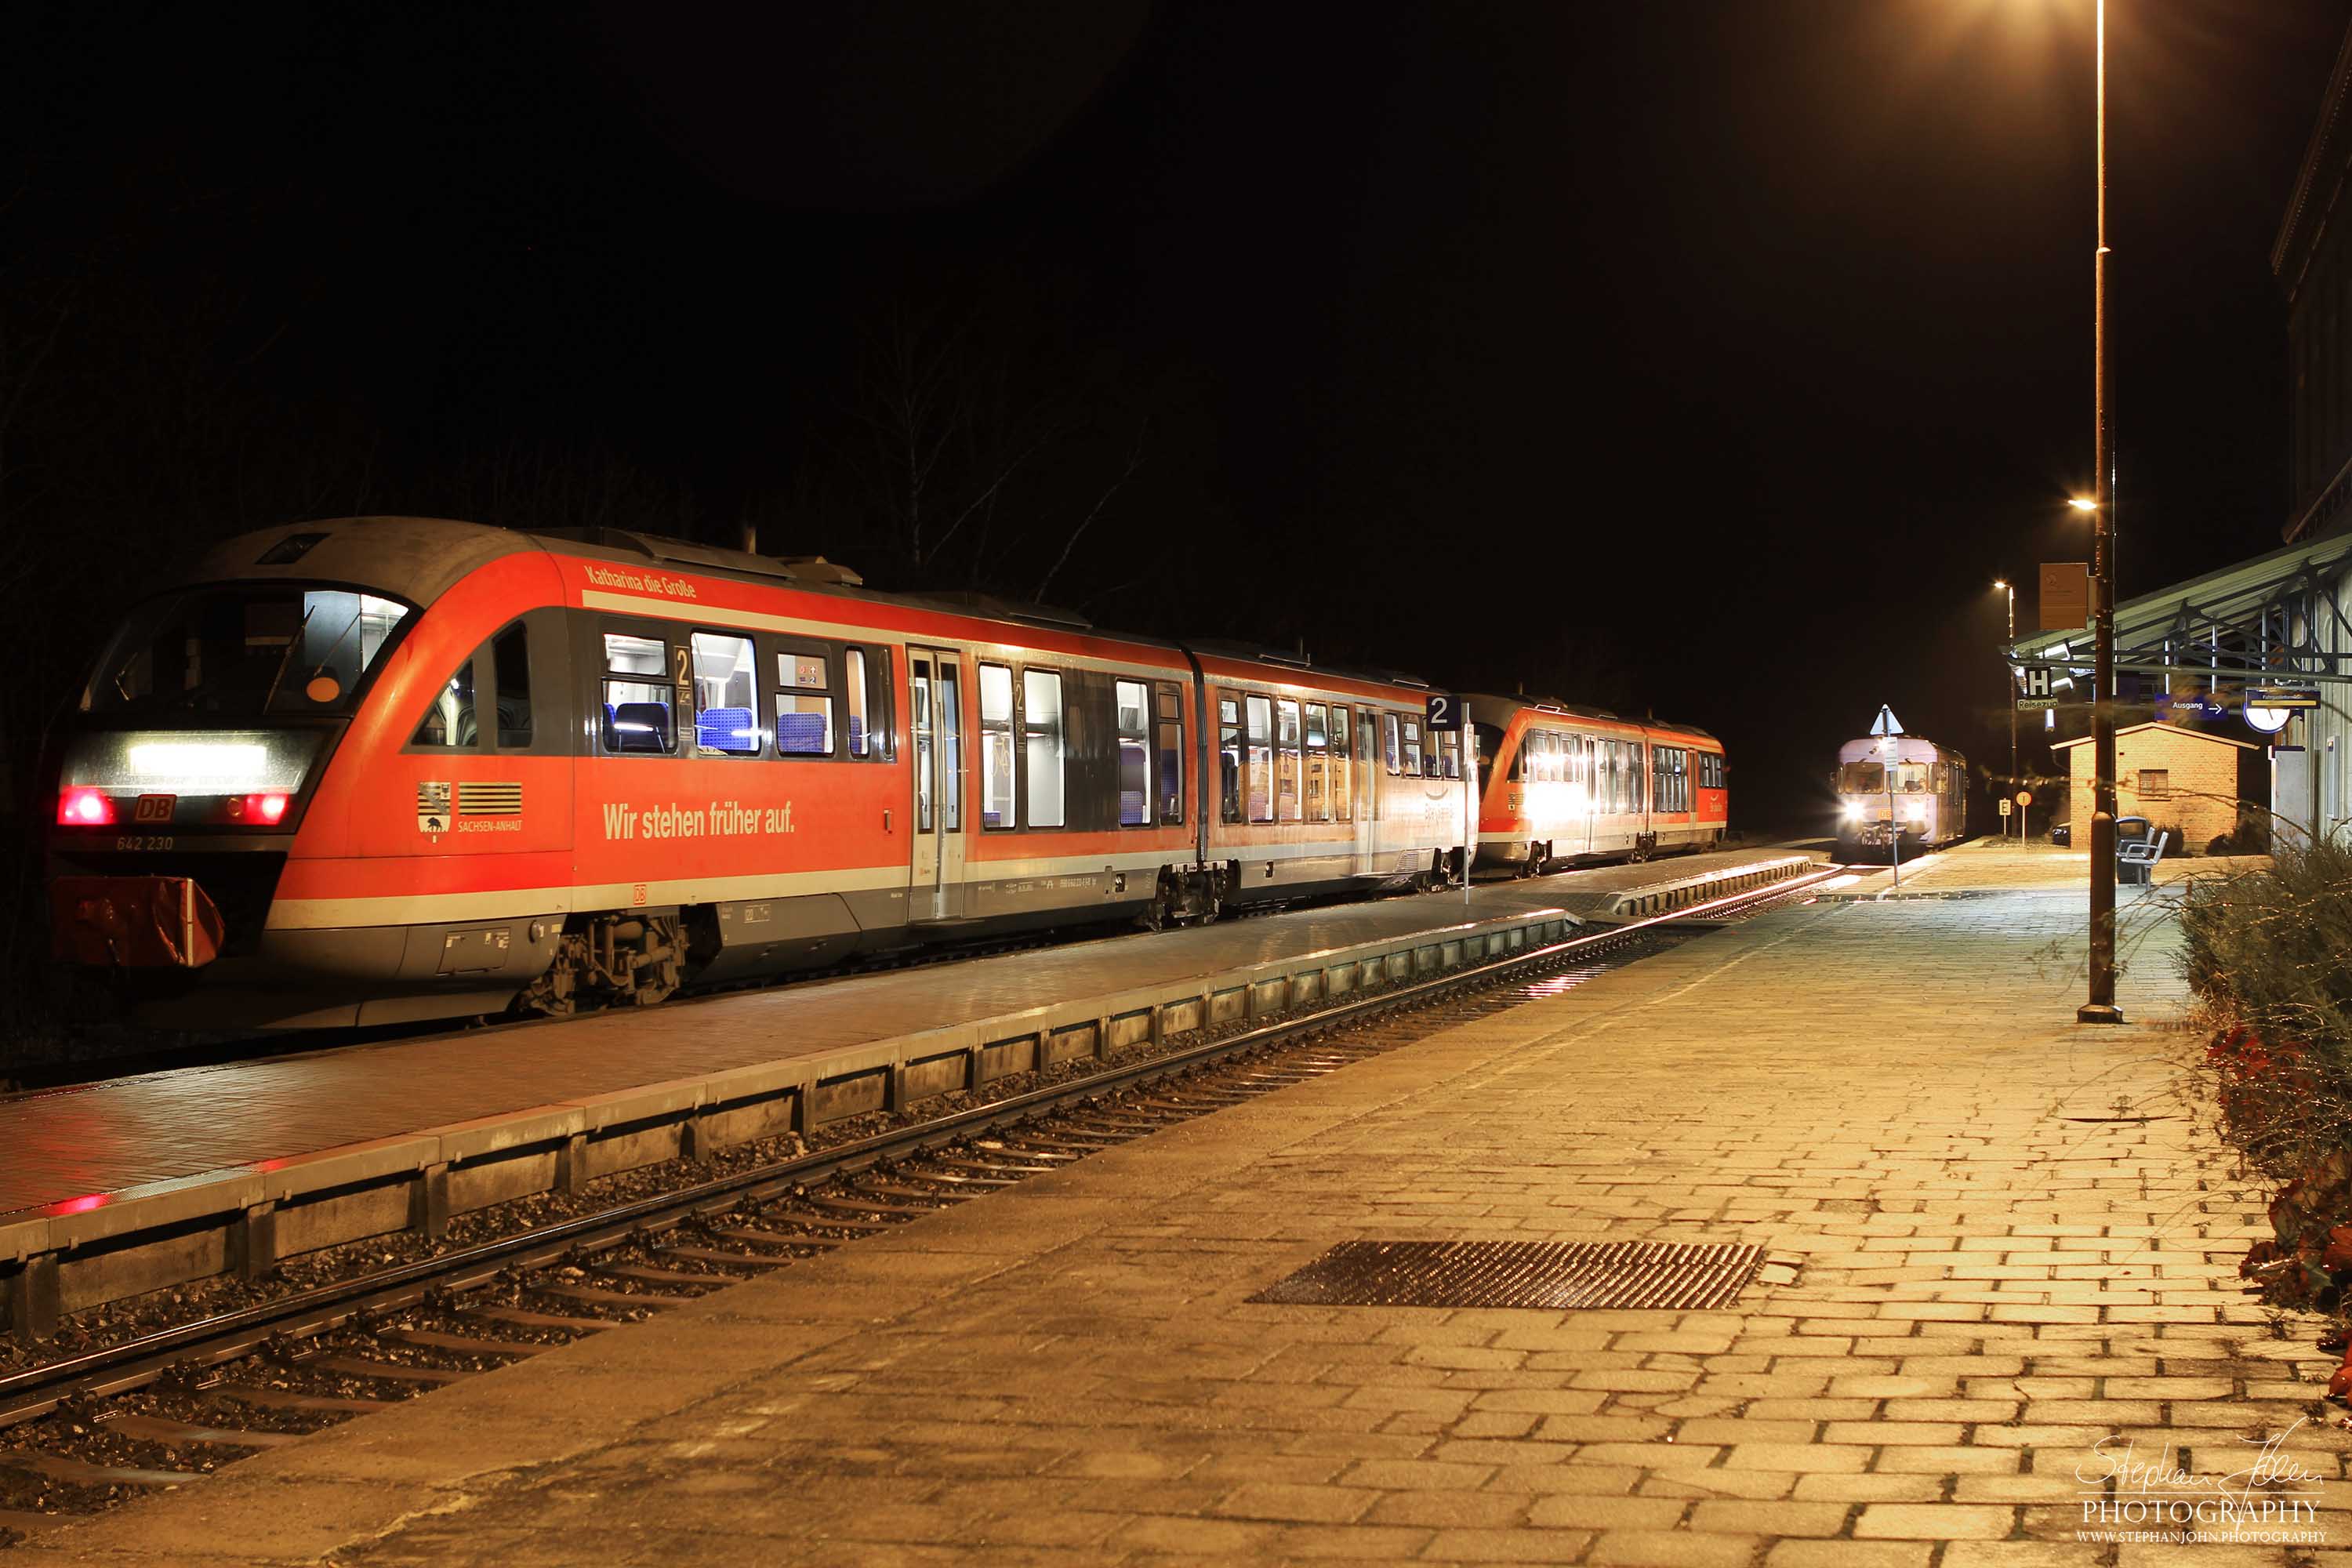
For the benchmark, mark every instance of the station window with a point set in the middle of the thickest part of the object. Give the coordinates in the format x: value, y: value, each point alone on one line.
x: 1342, y: 785
x: 1260, y: 787
x: 726, y: 708
x: 1288, y: 766
x: 2155, y: 783
x: 1134, y: 725
x: 1042, y: 747
x: 1318, y: 759
x: 995, y: 746
x: 449, y: 718
x: 804, y: 703
x: 637, y: 718
x: 1229, y: 754
x: 1168, y: 751
x: 1411, y: 747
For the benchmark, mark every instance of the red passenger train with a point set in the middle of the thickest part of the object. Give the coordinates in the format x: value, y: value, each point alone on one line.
x: 1563, y: 784
x: 388, y: 769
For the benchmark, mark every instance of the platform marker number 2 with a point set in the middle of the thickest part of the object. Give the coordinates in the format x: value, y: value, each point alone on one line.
x: 1444, y: 711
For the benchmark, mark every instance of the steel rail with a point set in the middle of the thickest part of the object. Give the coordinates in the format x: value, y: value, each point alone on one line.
x: 225, y: 1336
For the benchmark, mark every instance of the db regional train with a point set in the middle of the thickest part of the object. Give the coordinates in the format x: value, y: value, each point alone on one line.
x: 1561, y: 784
x: 1926, y: 806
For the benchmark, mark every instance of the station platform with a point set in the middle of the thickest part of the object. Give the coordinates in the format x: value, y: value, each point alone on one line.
x: 1994, y: 865
x: 2002, y: 1257
x: 245, y: 1163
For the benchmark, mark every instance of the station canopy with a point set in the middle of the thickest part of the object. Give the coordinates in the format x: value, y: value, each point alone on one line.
x: 2273, y: 617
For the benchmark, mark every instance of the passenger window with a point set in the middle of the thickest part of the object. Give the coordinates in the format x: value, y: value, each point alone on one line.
x: 804, y: 705
x: 726, y: 711
x: 1342, y: 785
x: 1042, y: 748
x: 448, y: 719
x: 1412, y: 765
x: 511, y: 666
x: 1319, y: 750
x: 995, y: 746
x: 1171, y: 753
x: 1260, y: 757
x: 1446, y: 755
x: 1391, y: 750
x: 1134, y: 726
x: 918, y: 692
x: 1229, y: 755
x: 637, y: 716
x: 1286, y: 767
x: 854, y: 698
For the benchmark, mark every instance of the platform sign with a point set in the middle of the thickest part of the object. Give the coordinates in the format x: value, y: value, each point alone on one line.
x: 2033, y: 689
x: 2282, y: 697
x: 1444, y: 711
x: 2006, y: 807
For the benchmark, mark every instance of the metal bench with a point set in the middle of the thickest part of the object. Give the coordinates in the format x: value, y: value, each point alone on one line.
x: 2136, y: 852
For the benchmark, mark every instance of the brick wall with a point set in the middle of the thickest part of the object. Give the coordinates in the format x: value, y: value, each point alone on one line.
x: 2203, y: 777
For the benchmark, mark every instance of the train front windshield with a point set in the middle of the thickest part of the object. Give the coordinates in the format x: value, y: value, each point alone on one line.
x: 243, y: 652
x: 1870, y: 778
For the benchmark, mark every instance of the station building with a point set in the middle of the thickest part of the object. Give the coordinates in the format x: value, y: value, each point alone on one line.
x: 2191, y: 782
x: 2283, y: 619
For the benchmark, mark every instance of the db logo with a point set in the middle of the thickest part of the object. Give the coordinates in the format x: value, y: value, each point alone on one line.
x: 638, y: 894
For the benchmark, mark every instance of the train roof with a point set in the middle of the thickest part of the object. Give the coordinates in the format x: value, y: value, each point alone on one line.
x: 421, y: 558
x: 1484, y: 702
x: 1907, y: 749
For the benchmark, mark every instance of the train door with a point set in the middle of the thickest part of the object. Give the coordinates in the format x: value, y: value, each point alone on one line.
x: 935, y: 689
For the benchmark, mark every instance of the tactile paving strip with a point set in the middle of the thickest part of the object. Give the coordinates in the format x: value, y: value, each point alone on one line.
x: 1559, y: 1275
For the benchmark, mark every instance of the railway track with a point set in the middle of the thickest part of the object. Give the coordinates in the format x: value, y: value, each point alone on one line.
x: 81, y: 1434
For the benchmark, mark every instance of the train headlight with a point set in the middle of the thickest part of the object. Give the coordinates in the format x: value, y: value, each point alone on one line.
x: 1917, y: 811
x: 1851, y: 810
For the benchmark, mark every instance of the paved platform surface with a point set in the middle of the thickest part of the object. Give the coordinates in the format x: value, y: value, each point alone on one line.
x: 1986, y: 865
x: 2001, y: 1284
x: 79, y: 1145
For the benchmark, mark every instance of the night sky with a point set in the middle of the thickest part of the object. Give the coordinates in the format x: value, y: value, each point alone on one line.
x: 1705, y: 358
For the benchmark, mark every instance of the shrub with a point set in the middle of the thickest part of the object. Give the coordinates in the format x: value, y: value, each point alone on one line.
x: 2268, y: 953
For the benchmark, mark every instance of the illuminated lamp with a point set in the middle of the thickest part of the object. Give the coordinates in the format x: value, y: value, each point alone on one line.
x: 84, y: 807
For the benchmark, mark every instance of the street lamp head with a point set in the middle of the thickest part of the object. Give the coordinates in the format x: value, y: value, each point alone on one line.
x: 2079, y: 504
x: 2000, y: 582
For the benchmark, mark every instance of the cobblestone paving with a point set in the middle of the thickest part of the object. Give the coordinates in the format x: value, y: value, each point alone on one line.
x: 1987, y: 1265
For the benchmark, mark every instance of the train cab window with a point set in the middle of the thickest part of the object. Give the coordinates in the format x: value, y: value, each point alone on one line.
x: 995, y: 746
x: 1393, y: 749
x: 1229, y: 755
x: 1168, y: 754
x: 1260, y: 771
x: 448, y: 719
x: 805, y: 703
x: 1288, y: 766
x: 637, y: 718
x: 1042, y: 746
x: 510, y: 667
x: 1318, y: 761
x: 1412, y: 766
x: 726, y: 706
x: 1342, y: 791
x: 1134, y: 724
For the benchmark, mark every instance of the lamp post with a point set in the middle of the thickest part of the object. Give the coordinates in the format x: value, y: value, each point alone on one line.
x: 2100, y: 1008
x: 2010, y: 681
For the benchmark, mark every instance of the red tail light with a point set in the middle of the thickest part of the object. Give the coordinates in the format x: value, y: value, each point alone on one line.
x: 84, y: 807
x: 266, y: 810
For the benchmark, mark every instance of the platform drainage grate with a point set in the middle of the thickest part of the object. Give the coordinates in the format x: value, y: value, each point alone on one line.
x: 1558, y: 1275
